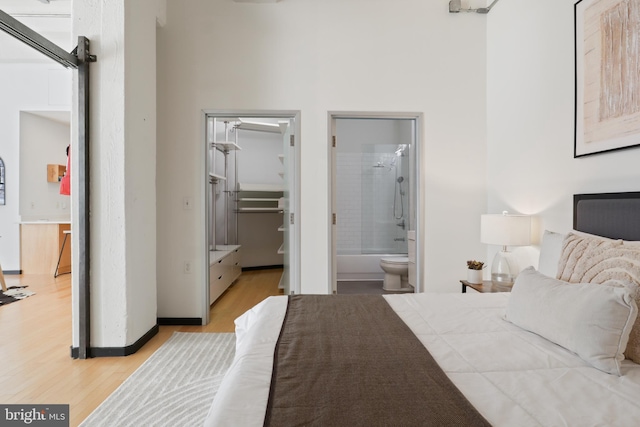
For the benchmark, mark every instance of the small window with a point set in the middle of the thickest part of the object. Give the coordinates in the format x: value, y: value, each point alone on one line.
x: 2, y: 183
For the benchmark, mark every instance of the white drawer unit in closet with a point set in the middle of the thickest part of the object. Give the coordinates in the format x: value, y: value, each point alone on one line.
x: 224, y: 269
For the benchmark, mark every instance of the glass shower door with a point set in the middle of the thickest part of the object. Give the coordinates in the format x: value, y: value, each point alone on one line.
x: 384, y: 198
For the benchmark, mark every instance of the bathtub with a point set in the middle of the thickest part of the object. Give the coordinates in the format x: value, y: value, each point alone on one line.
x: 355, y: 267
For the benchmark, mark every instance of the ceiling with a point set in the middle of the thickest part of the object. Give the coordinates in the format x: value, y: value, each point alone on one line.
x: 51, y: 19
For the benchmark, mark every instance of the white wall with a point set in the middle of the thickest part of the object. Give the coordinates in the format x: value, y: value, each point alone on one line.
x: 123, y: 176
x: 258, y: 161
x: 24, y: 87
x: 531, y: 168
x: 42, y: 141
x: 320, y: 56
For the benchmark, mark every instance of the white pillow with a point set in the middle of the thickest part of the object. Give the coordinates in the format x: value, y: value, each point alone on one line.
x: 550, y: 250
x: 593, y: 321
x: 587, y: 259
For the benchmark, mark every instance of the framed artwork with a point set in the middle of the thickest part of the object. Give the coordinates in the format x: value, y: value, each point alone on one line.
x: 607, y: 84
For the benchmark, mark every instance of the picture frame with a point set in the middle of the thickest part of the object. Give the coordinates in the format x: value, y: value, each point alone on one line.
x: 607, y: 59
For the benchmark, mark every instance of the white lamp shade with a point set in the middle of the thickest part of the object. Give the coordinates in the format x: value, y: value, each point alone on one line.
x: 505, y: 230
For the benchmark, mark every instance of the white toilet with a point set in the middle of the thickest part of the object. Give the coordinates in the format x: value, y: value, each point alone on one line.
x: 396, y: 277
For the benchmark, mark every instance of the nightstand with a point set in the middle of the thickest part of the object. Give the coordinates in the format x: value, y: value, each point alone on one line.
x: 487, y: 286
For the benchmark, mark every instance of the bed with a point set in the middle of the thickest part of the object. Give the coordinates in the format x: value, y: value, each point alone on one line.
x: 551, y: 353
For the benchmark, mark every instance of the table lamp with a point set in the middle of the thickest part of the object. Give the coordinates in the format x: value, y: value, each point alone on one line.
x: 505, y: 230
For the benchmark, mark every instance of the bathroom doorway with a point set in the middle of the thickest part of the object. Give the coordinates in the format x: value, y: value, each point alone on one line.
x: 375, y: 202
x: 252, y: 196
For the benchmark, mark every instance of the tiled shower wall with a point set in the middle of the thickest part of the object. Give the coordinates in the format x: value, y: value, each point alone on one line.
x: 364, y: 198
x: 349, y: 207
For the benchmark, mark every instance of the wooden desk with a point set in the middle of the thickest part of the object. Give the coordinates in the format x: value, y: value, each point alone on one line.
x: 63, y: 253
x: 41, y: 246
x: 487, y: 286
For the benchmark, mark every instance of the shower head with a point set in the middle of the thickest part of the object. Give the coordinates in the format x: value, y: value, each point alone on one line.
x: 400, y: 179
x: 400, y: 150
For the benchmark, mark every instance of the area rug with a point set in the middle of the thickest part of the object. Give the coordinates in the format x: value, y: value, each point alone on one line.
x: 13, y: 294
x: 174, y: 387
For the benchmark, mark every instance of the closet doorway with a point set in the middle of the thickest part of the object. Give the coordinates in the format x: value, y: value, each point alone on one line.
x: 375, y: 202
x: 252, y: 196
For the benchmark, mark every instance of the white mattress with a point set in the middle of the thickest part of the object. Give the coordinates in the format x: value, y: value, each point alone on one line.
x: 513, y: 377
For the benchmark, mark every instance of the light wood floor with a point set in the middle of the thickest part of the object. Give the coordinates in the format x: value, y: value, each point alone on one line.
x: 36, y: 338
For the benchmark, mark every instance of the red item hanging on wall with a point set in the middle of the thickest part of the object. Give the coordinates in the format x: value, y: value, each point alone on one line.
x: 65, y: 182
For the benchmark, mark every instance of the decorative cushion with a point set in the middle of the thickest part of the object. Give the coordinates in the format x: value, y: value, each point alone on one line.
x: 579, y: 254
x: 630, y: 243
x: 592, y: 259
x: 593, y: 321
x: 591, y: 236
x: 550, y: 250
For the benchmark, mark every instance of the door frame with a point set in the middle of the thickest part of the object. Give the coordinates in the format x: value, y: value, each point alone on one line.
x: 78, y: 59
x: 293, y: 184
x: 417, y: 165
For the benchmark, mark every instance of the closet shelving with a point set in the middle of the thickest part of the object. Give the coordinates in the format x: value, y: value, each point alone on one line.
x: 224, y: 147
x: 250, y: 212
x: 281, y: 203
x: 224, y: 260
x: 227, y: 145
x: 264, y: 198
x: 259, y: 197
x: 216, y: 177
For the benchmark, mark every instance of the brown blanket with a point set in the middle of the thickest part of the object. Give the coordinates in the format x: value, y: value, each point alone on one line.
x: 349, y: 360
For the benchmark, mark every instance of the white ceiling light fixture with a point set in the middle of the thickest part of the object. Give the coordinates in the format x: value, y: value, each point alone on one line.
x: 455, y: 6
